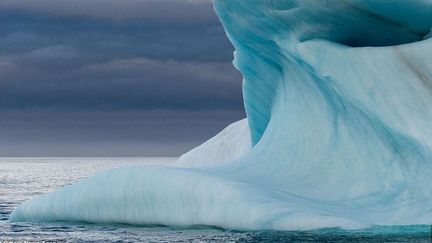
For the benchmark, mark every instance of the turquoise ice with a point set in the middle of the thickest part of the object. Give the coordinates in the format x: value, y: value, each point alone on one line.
x: 338, y: 95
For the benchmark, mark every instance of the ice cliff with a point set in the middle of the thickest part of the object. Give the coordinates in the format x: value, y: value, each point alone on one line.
x: 338, y: 95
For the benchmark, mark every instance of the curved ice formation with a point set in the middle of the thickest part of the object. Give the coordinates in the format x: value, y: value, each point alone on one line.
x: 338, y: 96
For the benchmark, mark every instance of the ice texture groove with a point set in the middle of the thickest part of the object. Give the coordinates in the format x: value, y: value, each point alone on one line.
x: 338, y: 98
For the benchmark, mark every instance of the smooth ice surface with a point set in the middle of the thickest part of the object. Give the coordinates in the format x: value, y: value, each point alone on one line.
x: 230, y: 144
x: 338, y: 98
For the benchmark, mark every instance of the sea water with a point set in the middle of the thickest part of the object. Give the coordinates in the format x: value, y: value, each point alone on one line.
x: 24, y: 178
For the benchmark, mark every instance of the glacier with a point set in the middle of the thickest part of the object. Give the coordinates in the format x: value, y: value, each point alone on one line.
x: 338, y: 98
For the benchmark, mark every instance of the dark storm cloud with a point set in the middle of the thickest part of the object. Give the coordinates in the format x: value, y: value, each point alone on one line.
x: 149, y: 76
x: 69, y: 59
x: 23, y: 32
x: 160, y: 10
x: 125, y: 84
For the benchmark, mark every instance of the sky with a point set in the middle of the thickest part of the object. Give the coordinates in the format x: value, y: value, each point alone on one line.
x: 113, y: 77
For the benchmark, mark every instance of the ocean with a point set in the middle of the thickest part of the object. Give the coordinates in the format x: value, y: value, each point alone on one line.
x: 24, y: 178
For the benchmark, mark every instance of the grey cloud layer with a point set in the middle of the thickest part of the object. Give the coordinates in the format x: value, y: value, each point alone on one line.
x: 161, y: 10
x: 78, y: 62
x: 125, y: 84
x: 151, y: 133
x: 113, y: 77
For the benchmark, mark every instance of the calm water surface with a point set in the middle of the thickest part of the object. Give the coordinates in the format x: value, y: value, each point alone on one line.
x: 23, y: 178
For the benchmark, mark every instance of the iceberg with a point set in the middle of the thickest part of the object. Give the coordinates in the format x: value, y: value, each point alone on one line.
x: 338, y: 99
